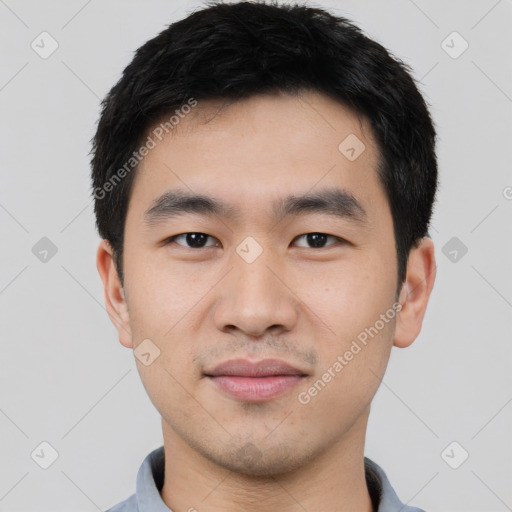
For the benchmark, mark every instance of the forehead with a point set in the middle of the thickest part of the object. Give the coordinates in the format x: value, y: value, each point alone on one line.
x: 251, y: 152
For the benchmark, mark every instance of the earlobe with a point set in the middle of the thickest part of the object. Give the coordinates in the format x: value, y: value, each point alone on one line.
x: 114, y: 294
x: 415, y: 292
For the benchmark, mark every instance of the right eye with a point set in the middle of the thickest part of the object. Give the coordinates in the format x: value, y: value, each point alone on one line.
x: 193, y: 239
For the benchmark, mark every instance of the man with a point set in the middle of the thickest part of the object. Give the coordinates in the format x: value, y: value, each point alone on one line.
x: 264, y: 177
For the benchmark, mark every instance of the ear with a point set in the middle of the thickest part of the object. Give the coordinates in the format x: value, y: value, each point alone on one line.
x: 115, y: 300
x: 415, y: 292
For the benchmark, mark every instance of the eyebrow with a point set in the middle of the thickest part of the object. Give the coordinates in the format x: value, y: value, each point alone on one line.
x: 332, y: 201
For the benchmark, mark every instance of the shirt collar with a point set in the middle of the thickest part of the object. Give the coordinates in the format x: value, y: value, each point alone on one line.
x: 150, y: 479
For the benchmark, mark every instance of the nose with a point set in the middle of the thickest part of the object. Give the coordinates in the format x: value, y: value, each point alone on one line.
x: 255, y: 298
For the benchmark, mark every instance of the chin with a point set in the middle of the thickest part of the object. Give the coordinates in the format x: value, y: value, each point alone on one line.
x: 248, y: 459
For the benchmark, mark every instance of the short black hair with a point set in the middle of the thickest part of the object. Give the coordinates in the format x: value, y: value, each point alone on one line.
x: 235, y: 51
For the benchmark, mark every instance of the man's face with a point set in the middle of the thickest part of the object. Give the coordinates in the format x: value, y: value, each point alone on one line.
x: 253, y: 286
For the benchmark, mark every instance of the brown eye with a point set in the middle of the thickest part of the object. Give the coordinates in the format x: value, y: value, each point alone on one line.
x: 192, y: 240
x: 318, y: 240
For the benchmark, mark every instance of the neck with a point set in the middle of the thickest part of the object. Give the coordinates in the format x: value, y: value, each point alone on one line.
x: 334, y: 481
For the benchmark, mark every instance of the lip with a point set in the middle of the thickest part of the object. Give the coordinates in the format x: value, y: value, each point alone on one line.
x: 254, y: 381
x: 246, y: 368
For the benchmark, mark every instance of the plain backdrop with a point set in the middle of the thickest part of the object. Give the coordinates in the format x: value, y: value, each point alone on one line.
x: 64, y: 377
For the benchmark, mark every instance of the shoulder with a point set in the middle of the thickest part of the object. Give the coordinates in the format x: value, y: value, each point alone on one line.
x: 383, y: 495
x: 128, y: 505
x: 149, y: 481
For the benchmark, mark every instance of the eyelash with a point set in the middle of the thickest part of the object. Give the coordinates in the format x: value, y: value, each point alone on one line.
x: 171, y: 239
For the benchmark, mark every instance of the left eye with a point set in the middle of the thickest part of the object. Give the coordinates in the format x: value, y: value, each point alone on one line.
x: 197, y: 240
x: 318, y: 239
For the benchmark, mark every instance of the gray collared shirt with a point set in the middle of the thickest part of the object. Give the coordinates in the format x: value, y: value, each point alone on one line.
x: 150, y: 479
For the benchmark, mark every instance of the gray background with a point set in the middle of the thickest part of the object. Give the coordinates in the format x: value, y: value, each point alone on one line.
x: 64, y: 377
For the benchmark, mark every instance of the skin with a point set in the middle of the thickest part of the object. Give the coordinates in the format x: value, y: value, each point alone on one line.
x: 296, y: 302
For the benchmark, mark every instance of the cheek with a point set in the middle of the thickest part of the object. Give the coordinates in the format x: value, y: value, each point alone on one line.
x: 354, y: 352
x: 356, y: 347
x: 163, y: 301
x: 347, y: 298
x: 160, y: 294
